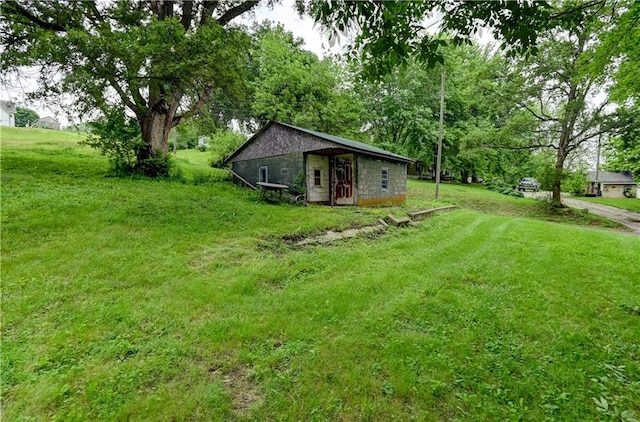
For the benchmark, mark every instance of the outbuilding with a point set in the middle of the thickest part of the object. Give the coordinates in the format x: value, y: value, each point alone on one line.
x: 7, y: 113
x: 46, y: 123
x: 329, y: 169
x: 611, y: 184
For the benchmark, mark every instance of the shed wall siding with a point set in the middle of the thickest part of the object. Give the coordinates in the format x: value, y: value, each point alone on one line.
x: 281, y: 140
x: 617, y: 190
x: 369, y: 176
x: 282, y: 169
x: 318, y: 193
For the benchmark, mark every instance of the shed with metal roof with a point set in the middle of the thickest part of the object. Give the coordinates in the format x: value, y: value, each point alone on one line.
x: 327, y: 168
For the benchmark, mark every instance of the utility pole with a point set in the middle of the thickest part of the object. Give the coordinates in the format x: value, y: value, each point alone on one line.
x: 440, y: 131
x: 598, y: 168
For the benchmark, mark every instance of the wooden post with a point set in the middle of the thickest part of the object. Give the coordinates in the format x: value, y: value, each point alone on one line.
x: 598, y: 168
x: 440, y: 132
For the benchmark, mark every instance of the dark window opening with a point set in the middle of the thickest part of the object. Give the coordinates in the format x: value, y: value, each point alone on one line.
x: 385, y: 179
x: 317, y: 177
x: 263, y: 175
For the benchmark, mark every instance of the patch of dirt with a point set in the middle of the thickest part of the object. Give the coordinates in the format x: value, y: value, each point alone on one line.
x: 244, y: 393
x: 332, y: 236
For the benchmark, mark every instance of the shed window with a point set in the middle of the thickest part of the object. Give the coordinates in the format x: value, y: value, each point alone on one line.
x: 385, y: 178
x: 263, y: 175
x: 317, y: 177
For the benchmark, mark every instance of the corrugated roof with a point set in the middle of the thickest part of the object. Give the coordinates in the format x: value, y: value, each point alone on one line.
x: 611, y: 177
x: 350, y: 143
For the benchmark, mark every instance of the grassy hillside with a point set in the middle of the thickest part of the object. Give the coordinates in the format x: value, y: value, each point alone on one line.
x: 158, y: 300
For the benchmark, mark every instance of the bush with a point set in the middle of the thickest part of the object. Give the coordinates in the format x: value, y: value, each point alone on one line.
x: 503, y: 188
x: 575, y: 182
x: 222, y: 144
x: 117, y: 137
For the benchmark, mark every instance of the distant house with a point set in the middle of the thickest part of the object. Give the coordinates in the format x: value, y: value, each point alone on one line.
x: 332, y: 170
x: 46, y: 123
x: 611, y: 184
x: 203, y: 143
x: 7, y: 113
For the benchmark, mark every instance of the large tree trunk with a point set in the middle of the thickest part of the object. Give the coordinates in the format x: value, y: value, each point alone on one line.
x: 155, y: 128
x: 556, y: 200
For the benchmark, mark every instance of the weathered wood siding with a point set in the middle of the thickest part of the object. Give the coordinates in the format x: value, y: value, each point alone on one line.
x: 318, y: 193
x: 369, y: 177
x: 282, y: 169
x: 281, y: 140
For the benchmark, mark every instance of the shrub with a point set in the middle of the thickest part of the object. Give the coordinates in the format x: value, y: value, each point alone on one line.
x: 117, y: 137
x: 503, y: 188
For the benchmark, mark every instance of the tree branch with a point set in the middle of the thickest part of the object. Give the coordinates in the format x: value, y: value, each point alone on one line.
x: 14, y: 7
x: 204, y: 97
x: 207, y: 11
x: 236, y: 11
x: 187, y: 14
x: 534, y: 146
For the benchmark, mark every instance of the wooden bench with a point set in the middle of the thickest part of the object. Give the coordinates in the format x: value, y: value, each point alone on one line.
x: 273, y: 187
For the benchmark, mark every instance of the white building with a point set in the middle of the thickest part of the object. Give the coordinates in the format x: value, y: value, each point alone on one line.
x: 7, y: 113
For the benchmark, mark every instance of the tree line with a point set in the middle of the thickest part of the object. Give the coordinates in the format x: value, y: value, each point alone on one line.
x: 563, y: 78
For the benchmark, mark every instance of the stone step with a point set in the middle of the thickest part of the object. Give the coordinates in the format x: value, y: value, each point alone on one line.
x: 419, y: 215
x: 398, y: 221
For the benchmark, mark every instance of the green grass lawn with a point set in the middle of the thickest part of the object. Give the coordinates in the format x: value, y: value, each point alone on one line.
x: 630, y: 204
x: 133, y: 299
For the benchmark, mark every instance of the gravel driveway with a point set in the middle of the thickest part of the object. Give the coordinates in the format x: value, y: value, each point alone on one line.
x: 628, y: 218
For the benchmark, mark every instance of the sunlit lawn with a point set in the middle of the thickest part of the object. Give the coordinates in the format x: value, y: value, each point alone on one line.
x: 131, y: 299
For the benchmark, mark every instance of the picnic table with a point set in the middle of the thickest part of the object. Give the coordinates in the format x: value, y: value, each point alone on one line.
x: 275, y: 187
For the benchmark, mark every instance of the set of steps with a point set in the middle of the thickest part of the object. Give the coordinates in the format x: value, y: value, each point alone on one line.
x: 417, y: 215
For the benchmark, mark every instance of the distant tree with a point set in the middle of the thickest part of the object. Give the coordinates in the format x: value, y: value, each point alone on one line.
x: 25, y: 116
x: 293, y: 85
x: 623, y: 151
x: 566, y: 101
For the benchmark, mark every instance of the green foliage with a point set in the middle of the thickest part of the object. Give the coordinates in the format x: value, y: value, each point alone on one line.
x: 390, y: 33
x: 293, y: 86
x: 25, y: 116
x: 623, y: 151
x: 117, y: 137
x: 576, y: 182
x: 503, y: 188
x: 620, y: 41
x: 222, y: 144
x: 187, y: 135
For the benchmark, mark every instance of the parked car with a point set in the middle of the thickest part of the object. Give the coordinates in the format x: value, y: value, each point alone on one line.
x: 529, y: 183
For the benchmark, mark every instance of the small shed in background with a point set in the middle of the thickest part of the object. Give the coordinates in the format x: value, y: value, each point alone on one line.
x: 47, y: 123
x: 611, y: 184
x: 330, y: 169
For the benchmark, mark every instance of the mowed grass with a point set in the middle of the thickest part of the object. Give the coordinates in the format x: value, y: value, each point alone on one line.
x: 629, y: 204
x: 156, y: 300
